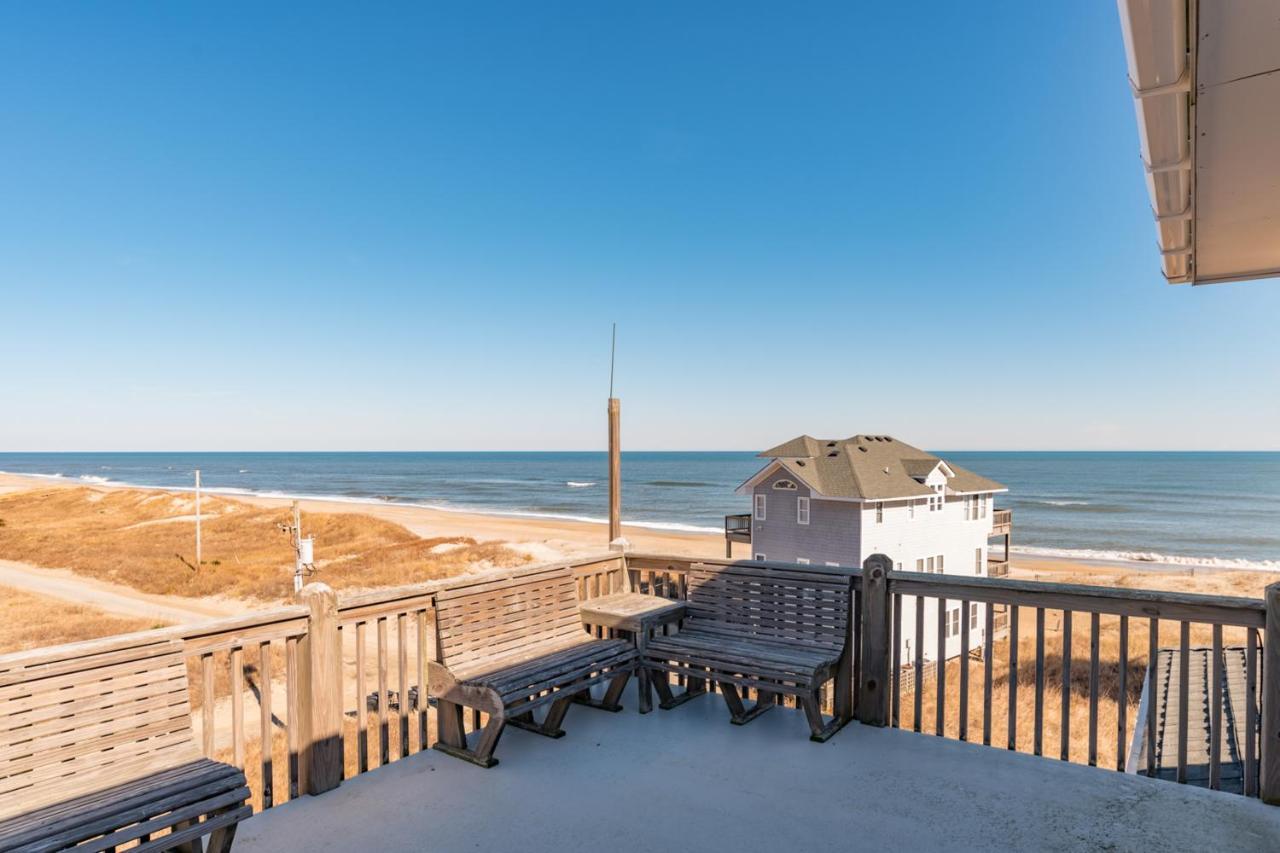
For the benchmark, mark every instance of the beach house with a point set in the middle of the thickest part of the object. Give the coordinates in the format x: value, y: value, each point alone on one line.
x: 835, y: 502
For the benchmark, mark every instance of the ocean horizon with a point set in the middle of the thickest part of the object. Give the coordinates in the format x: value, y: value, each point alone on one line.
x: 1191, y: 508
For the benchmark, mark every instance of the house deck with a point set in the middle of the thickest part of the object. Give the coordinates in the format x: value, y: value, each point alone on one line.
x: 685, y: 778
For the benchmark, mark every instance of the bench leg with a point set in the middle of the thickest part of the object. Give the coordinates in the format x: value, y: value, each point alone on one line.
x: 550, y: 725
x: 819, y: 731
x: 738, y: 714
x: 666, y: 699
x: 453, y: 739
x: 612, y: 694
x: 186, y: 846
x: 221, y: 839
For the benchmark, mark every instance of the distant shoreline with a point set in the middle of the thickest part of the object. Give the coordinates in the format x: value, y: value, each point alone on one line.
x: 554, y: 536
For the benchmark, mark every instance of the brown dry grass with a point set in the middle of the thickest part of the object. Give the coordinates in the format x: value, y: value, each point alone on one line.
x: 1109, y: 752
x: 145, y: 540
x: 30, y: 621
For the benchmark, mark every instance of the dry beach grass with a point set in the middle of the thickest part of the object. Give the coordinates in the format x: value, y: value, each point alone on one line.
x: 30, y: 621
x: 145, y: 540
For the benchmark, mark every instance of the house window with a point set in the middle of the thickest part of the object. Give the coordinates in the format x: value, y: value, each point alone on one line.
x: 973, y: 617
x: 899, y: 567
x: 879, y: 512
x: 785, y: 485
x: 955, y: 622
x: 968, y: 501
x: 760, y: 507
x: 977, y: 561
x: 939, y: 563
x: 802, y: 510
x: 911, y: 509
x: 984, y: 505
x: 931, y: 559
x: 804, y: 561
x: 760, y: 557
x: 920, y: 565
x: 935, y: 502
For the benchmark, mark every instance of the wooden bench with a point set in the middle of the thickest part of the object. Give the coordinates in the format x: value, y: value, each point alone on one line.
x: 510, y: 645
x: 777, y: 631
x: 96, y: 751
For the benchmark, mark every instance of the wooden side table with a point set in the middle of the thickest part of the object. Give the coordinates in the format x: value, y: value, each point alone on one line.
x: 638, y: 614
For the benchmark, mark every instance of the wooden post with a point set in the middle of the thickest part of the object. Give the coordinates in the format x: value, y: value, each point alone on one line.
x: 1269, y: 789
x: 320, y: 694
x: 198, y: 548
x: 877, y: 616
x: 615, y: 469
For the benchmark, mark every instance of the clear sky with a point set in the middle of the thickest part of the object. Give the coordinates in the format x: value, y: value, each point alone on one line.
x: 261, y: 226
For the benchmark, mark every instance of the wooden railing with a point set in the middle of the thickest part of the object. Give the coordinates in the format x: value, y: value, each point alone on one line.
x: 1001, y: 517
x: 338, y: 681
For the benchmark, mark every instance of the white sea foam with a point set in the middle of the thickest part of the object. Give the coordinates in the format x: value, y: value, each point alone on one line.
x: 90, y: 478
x: 1151, y: 558
x: 574, y: 484
x: 1065, y: 503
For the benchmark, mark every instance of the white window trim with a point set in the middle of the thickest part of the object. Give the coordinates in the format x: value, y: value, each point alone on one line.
x: 760, y: 557
x: 802, y: 510
x: 760, y: 506
x: 879, y: 512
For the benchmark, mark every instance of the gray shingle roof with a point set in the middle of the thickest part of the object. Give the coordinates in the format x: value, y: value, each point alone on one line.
x: 869, y: 467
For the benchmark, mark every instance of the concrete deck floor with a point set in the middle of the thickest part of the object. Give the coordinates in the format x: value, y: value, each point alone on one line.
x: 687, y: 779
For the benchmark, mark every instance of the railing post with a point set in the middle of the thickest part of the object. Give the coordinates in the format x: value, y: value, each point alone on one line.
x: 320, y: 694
x: 1269, y: 788
x: 873, y: 691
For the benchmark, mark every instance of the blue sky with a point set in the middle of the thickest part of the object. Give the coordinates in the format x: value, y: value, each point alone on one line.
x: 253, y: 226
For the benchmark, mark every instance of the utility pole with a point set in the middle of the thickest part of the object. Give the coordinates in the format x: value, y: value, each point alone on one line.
x: 303, y: 549
x: 199, y: 561
x: 615, y: 455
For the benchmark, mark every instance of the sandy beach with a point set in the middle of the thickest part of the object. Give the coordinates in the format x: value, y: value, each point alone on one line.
x: 553, y: 539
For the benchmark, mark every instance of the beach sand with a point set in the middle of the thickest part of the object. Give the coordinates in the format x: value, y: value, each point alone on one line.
x: 547, y: 540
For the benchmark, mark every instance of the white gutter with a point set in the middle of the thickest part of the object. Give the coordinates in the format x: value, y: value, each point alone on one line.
x: 1159, y: 43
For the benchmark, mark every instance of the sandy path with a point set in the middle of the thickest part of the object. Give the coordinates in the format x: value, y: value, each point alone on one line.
x: 112, y: 598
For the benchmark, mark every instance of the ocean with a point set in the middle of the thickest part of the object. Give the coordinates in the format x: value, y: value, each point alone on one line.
x: 1202, y: 509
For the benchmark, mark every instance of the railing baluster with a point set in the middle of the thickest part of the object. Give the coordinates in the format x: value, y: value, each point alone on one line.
x: 264, y: 719
x: 1094, y: 626
x: 988, y: 669
x: 237, y: 707
x: 362, y: 703
x: 1013, y: 675
x: 207, y: 700
x: 292, y: 713
x: 1122, y: 697
x: 384, y: 736
x: 964, y: 670
x: 919, y: 673
x: 1153, y: 657
x: 940, y: 672
x: 1038, y: 733
x: 895, y: 637
x: 1184, y: 678
x: 422, y: 680
x: 1065, y: 729
x: 1215, y: 719
x: 402, y: 637
x: 1251, y: 713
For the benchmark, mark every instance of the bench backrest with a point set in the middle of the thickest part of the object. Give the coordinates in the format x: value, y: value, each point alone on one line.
x: 494, y: 616
x: 80, y: 718
x: 792, y: 606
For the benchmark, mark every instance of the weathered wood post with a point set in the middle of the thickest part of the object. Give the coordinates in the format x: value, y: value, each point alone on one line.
x: 320, y: 694
x: 1269, y: 788
x: 615, y: 469
x: 873, y: 691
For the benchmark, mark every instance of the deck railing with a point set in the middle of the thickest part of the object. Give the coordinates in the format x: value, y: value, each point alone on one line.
x: 338, y: 681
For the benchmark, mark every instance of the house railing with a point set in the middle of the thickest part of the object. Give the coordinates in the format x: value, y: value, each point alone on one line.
x: 306, y: 695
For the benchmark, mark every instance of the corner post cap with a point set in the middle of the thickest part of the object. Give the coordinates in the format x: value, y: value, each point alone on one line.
x: 622, y: 544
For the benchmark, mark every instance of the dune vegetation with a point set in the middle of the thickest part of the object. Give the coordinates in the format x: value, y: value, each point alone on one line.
x: 29, y: 621
x: 146, y: 540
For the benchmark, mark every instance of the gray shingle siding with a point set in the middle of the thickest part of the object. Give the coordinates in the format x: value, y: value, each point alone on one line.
x: 831, y: 536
